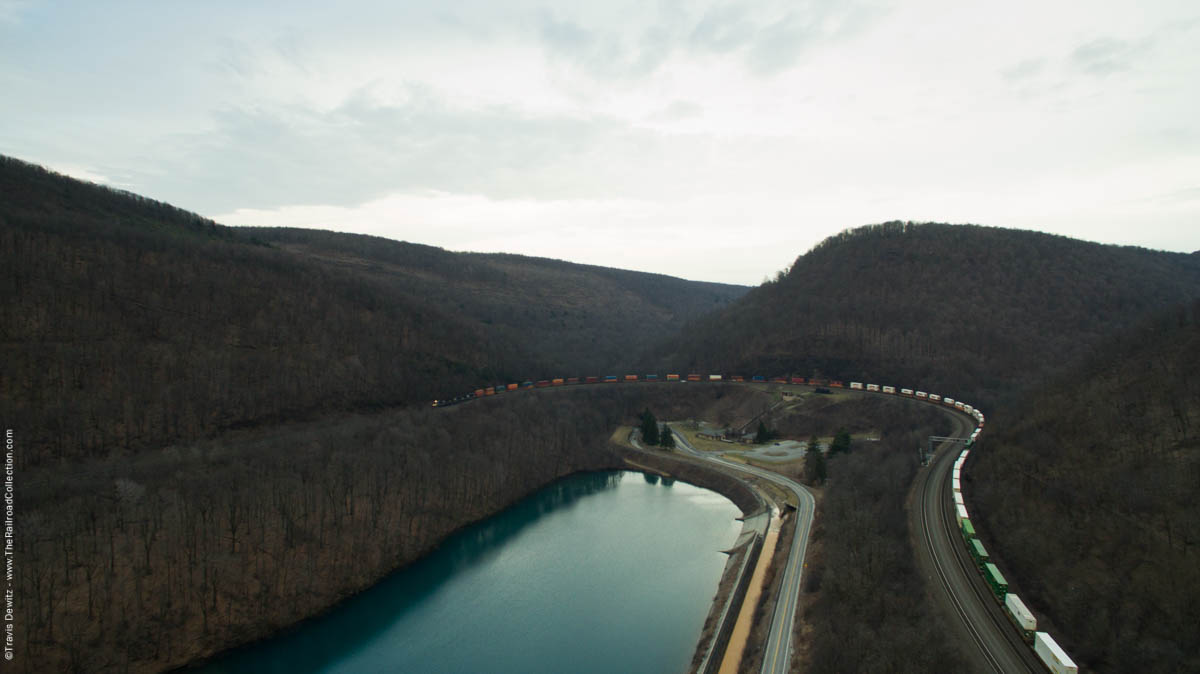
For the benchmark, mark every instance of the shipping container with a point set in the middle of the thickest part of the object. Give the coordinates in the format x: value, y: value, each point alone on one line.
x: 500, y: 388
x: 672, y: 377
x: 512, y: 387
x: 968, y: 529
x: 969, y: 410
x: 979, y: 552
x: 856, y: 385
x: 797, y: 380
x: 958, y: 498
x: 737, y: 377
x: 758, y: 379
x: 543, y: 383
x: 956, y: 483
x: 591, y: 380
x: 835, y: 383
x: 714, y: 377
x: 889, y: 389
x: 651, y: 377
x: 557, y: 381
x: 906, y: 392
x: 922, y: 394
x: 610, y: 379
x: 815, y: 382
x: 526, y: 384
x: 572, y: 380
x: 958, y: 406
x: 873, y: 387
x: 779, y: 380
x: 693, y: 377
x: 995, y: 580
x: 631, y: 377
x: 478, y: 393
x: 1021, y: 616
x: 489, y: 391
x: 949, y: 402
x: 1054, y: 657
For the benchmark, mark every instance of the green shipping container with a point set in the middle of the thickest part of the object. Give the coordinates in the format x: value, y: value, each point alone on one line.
x: 978, y: 552
x: 996, y: 580
x: 968, y: 529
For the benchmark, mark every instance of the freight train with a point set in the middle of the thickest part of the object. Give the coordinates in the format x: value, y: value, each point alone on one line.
x: 1044, y: 646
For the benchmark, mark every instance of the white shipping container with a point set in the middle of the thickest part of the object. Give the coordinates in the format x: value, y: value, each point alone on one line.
x: 935, y: 397
x: 958, y: 499
x: 714, y: 377
x: 889, y: 389
x: 1054, y: 657
x: 857, y: 385
x: 1022, y: 615
x: 961, y: 511
x: 922, y: 394
x: 957, y: 474
x: 956, y: 483
x: 969, y: 409
x: 873, y: 387
x: 906, y: 391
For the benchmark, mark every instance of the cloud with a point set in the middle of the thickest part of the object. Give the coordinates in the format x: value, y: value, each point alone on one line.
x: 264, y: 156
x: 1106, y: 55
x: 677, y: 111
x: 1023, y: 70
x: 620, y: 53
x: 767, y: 37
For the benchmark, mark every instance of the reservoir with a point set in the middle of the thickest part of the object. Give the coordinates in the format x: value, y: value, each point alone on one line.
x: 598, y: 572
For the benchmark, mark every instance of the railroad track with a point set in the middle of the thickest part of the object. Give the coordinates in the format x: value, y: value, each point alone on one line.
x: 997, y: 646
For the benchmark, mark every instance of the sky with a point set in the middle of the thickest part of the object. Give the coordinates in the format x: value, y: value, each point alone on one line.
x: 709, y: 140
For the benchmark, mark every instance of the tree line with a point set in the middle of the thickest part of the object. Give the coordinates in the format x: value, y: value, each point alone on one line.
x: 146, y: 562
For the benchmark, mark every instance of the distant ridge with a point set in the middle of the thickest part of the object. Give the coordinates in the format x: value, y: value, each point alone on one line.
x: 979, y: 311
x: 129, y: 324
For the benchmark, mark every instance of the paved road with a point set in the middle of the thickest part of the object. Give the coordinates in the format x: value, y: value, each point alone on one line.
x: 976, y: 618
x: 777, y: 655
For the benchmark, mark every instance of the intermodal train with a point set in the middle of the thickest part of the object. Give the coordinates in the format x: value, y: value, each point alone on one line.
x: 1044, y: 646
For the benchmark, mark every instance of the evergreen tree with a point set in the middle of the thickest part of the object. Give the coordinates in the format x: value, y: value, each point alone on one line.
x: 763, y: 435
x: 649, y: 428
x: 840, y: 444
x: 814, y: 463
x: 666, y: 438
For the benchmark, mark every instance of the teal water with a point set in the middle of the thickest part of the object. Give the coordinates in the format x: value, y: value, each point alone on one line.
x: 601, y: 572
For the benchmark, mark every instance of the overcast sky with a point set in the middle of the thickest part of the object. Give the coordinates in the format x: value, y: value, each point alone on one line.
x: 713, y: 141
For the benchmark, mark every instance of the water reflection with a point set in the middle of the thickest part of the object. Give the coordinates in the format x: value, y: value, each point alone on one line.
x: 461, y: 601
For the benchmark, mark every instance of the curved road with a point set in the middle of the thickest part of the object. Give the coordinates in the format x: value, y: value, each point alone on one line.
x: 978, y: 620
x: 777, y: 652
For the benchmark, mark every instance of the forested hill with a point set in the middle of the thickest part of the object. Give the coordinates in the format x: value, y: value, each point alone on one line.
x: 1088, y: 490
x: 576, y: 318
x: 130, y: 324
x: 959, y: 309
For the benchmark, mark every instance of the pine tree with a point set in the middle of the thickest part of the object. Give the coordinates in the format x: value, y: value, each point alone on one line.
x: 814, y: 463
x: 649, y: 428
x: 763, y: 435
x: 666, y: 438
x: 840, y: 444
